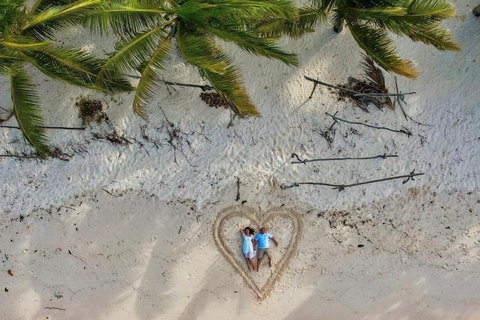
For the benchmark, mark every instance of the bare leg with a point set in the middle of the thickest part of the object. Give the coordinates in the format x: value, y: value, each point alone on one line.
x: 269, y: 261
x: 259, y: 262
x: 248, y: 264
x: 251, y: 263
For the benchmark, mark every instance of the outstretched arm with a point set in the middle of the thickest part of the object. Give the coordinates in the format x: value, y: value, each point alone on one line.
x: 275, y: 241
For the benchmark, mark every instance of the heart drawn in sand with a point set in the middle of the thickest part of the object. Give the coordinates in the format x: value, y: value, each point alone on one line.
x: 264, y: 219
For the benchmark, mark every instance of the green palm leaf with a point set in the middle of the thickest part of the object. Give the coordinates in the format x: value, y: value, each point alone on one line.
x: 254, y: 45
x: 226, y: 82
x: 308, y: 17
x: 131, y: 53
x: 374, y: 13
x: 27, y: 111
x: 247, y: 11
x: 380, y: 48
x: 74, y: 66
x: 431, y: 9
x: 131, y: 18
x: 41, y: 5
x: 148, y: 82
x: 7, y: 59
x: 48, y: 22
x: 430, y: 34
x: 21, y: 43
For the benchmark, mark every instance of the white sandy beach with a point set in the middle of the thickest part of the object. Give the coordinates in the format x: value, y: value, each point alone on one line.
x: 127, y: 232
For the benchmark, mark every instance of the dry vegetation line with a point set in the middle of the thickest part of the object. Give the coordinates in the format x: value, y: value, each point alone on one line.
x: 253, y: 215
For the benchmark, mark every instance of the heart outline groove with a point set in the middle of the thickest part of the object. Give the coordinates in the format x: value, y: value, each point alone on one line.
x: 253, y: 215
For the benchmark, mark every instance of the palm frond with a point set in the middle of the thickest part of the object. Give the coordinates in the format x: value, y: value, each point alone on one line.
x: 145, y: 92
x: 380, y: 48
x: 73, y: 66
x: 248, y: 11
x: 131, y: 52
x: 21, y: 43
x: 308, y: 18
x: 255, y: 45
x: 375, y: 76
x: 130, y: 18
x: 200, y: 50
x: 9, y: 12
x: 41, y: 5
x: 431, y: 34
x: 27, y: 111
x: 7, y: 59
x: 374, y: 13
x: 227, y: 81
x: 54, y: 19
x: 324, y: 5
x: 5, y: 64
x: 431, y: 9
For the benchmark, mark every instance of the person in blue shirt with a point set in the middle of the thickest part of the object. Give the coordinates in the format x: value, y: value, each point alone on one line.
x: 263, y: 243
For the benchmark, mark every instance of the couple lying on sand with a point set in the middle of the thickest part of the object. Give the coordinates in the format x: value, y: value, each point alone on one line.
x: 252, y: 243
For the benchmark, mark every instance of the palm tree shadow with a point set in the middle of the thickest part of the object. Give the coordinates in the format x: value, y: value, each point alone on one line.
x: 418, y: 296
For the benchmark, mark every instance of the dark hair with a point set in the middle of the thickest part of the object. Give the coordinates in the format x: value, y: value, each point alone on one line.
x: 252, y: 231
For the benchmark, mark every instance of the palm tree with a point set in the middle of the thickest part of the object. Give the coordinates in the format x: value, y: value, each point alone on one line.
x: 148, y: 30
x: 369, y: 22
x: 24, y: 39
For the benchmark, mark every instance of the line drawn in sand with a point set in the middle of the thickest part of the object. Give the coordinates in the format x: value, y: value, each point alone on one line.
x: 254, y: 216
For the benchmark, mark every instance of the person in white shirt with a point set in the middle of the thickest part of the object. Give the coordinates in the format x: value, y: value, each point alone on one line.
x: 263, y: 243
x: 248, y: 235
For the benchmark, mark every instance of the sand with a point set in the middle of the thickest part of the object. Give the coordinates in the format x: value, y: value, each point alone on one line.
x: 143, y: 231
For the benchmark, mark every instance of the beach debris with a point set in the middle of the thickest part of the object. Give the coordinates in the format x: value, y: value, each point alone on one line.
x: 238, y: 189
x: 336, y: 119
x: 214, y: 100
x: 89, y: 110
x: 10, y: 272
x: 342, y: 187
x: 363, y: 92
x: 300, y: 161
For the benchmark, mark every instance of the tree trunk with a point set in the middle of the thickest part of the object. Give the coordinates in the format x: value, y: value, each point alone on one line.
x: 338, y: 26
x: 476, y: 11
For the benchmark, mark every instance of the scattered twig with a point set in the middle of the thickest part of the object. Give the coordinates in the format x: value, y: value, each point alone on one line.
x: 156, y: 143
x: 55, y: 308
x: 18, y: 156
x: 294, y: 155
x: 180, y: 230
x: 404, y: 130
x: 7, y: 118
x: 328, y: 134
x: 45, y: 127
x: 114, y: 138
x: 383, y: 156
x: 176, y: 138
x: 399, y: 100
x: 342, y: 187
x: 55, y: 153
x: 59, y: 154
x: 313, y: 90
x: 238, y: 189
x: 113, y: 195
x: 353, y: 91
x: 165, y: 116
x: 232, y: 117
x: 171, y: 83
